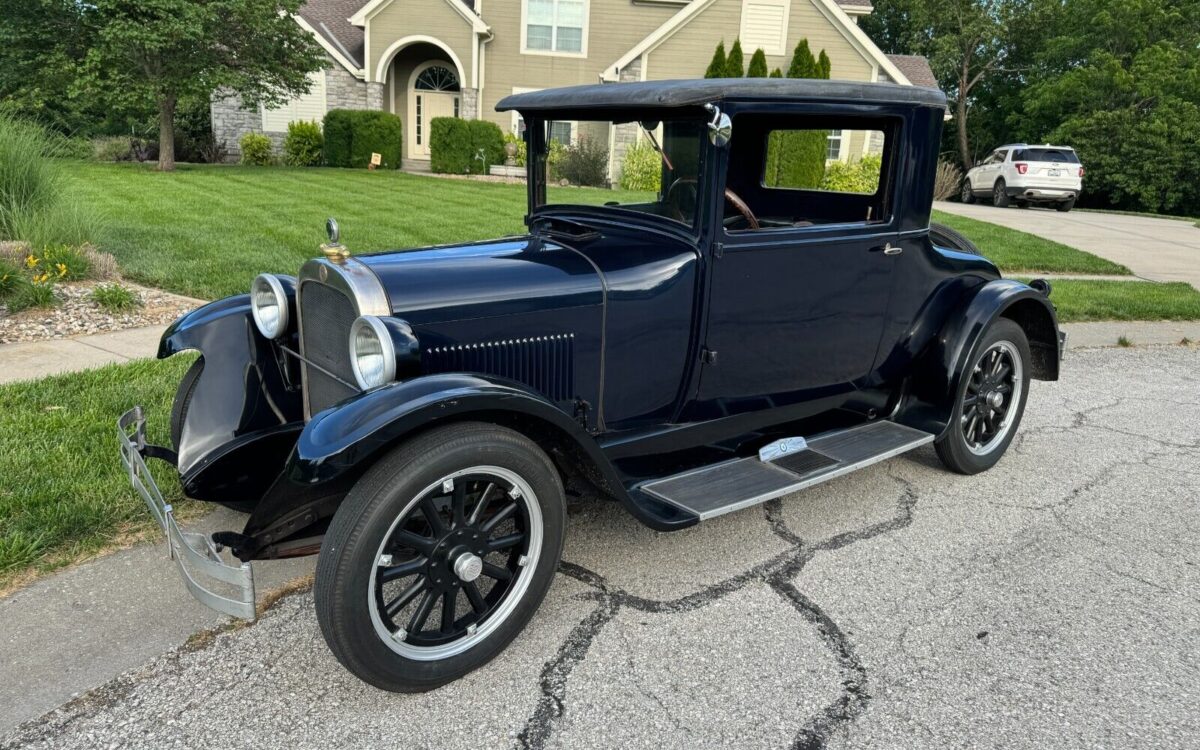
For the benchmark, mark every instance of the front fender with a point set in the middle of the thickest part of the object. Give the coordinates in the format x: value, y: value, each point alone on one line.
x: 241, y: 397
x: 932, y: 389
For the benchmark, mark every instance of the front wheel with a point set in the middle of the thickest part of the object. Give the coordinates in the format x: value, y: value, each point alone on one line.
x: 439, y: 556
x: 990, y: 401
x: 968, y: 195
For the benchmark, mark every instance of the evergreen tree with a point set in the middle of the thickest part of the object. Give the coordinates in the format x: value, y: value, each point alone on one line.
x: 796, y: 159
x: 716, y: 68
x: 824, y: 66
x: 758, y: 65
x: 777, y: 73
x: 804, y: 65
x: 734, y: 67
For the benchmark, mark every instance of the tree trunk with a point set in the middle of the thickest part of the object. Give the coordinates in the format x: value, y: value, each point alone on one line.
x: 964, y: 146
x: 166, y: 134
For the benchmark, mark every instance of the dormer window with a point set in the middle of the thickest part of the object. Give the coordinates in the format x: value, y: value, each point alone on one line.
x: 555, y: 27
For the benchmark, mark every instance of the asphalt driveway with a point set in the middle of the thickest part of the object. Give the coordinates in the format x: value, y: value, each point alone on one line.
x: 1156, y: 249
x: 1050, y: 602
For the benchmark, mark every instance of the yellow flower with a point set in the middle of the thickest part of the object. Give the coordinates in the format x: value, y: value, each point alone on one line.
x: 41, y: 278
x: 30, y: 261
x: 62, y: 269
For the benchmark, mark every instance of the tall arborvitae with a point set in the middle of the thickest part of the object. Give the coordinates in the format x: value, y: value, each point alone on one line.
x: 716, y: 68
x: 796, y: 159
x: 824, y: 66
x: 734, y: 67
x: 777, y: 73
x: 804, y: 65
x: 758, y: 65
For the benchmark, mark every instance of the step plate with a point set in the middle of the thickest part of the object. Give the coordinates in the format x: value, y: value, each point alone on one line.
x: 732, y: 485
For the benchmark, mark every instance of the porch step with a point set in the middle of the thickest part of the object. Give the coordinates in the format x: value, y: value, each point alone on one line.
x: 791, y: 466
x: 415, y: 165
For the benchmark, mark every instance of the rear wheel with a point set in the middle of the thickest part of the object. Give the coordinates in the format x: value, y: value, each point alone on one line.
x: 439, y: 556
x: 968, y: 195
x: 944, y: 236
x: 1000, y: 194
x: 990, y: 401
x: 1066, y: 205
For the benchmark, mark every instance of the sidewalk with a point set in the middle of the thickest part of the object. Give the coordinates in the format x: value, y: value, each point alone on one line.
x: 37, y: 359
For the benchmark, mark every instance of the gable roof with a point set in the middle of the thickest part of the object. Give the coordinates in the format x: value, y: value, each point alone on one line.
x: 916, y: 69
x: 831, y: 9
x: 329, y: 20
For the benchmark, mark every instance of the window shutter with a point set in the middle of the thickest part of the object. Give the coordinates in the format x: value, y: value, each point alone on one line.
x: 764, y: 24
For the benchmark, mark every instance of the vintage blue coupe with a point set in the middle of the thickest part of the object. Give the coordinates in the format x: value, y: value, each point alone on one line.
x: 419, y: 417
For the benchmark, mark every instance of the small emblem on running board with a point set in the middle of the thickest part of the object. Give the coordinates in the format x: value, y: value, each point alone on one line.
x: 784, y: 447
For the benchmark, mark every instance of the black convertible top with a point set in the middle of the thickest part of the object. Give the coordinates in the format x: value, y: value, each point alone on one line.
x: 695, y: 92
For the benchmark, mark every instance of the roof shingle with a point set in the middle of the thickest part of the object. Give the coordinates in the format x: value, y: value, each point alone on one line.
x: 330, y: 18
x: 916, y: 69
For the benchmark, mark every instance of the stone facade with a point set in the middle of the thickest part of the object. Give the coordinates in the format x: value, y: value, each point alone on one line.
x: 625, y: 134
x: 469, y: 104
x: 230, y: 120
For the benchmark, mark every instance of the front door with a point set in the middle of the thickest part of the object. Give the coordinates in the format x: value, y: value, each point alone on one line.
x: 799, y: 292
x: 434, y: 92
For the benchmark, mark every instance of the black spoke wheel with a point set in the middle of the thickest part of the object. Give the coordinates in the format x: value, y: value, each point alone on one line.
x: 439, y: 556
x: 990, y: 400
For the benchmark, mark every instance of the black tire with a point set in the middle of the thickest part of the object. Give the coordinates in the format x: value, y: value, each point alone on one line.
x: 1000, y: 194
x: 944, y: 236
x: 1066, y: 205
x: 183, y: 400
x: 379, y: 506
x: 953, y: 447
x: 967, y: 195
x: 1022, y: 204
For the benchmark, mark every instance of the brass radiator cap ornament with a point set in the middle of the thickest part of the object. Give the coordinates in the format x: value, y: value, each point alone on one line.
x: 334, y: 250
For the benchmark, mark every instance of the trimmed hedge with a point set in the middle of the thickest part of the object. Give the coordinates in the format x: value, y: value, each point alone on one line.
x: 352, y: 135
x: 464, y: 146
x: 303, y: 144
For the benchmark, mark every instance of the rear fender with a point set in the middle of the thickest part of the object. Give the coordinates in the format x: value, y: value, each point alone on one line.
x: 338, y: 445
x: 244, y: 412
x: 930, y: 394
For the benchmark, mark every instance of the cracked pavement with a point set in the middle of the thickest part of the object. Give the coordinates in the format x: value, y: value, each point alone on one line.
x: 1052, y: 601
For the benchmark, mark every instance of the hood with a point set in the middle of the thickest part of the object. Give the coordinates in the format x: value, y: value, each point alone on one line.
x: 485, y: 279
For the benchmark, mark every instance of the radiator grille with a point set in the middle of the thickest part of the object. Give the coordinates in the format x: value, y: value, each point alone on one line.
x: 544, y: 363
x: 325, y: 319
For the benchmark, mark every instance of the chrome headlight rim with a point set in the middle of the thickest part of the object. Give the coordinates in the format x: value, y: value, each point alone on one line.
x: 374, y: 329
x: 275, y: 287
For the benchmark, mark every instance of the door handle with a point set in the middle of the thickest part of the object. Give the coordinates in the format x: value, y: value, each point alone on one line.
x: 888, y: 249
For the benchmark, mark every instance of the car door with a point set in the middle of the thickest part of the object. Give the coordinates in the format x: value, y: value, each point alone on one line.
x: 797, y: 307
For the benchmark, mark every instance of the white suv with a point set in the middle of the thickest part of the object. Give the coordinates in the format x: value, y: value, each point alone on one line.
x: 1025, y: 174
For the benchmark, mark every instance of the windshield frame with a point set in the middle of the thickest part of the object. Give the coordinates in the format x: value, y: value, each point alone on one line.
x: 535, y: 137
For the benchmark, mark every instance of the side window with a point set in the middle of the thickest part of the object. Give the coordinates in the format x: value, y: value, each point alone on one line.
x: 791, y: 172
x: 1000, y: 156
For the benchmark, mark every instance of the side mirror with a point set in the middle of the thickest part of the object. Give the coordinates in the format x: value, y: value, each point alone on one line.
x: 720, y: 128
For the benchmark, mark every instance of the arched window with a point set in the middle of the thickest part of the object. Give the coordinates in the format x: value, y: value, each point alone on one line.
x: 437, y: 78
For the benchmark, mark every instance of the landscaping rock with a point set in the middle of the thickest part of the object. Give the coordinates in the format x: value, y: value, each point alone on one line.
x: 77, y: 315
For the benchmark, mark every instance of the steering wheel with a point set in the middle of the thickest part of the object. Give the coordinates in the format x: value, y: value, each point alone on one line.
x: 678, y: 200
x: 736, y: 201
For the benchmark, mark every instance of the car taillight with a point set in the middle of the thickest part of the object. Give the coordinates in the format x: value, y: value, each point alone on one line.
x: 1021, y: 168
x: 1081, y: 171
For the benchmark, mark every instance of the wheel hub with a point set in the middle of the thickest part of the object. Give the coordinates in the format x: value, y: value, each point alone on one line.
x: 468, y: 566
x: 995, y: 399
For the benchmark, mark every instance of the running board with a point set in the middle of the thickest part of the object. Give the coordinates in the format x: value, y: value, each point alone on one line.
x: 783, y: 467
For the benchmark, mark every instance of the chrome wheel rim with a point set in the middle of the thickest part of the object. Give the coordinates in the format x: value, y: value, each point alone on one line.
x: 991, y: 398
x: 996, y: 193
x: 455, y: 563
x: 966, y: 190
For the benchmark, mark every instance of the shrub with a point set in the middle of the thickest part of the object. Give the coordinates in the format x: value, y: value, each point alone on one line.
x: 256, y: 149
x: 10, y: 278
x: 66, y: 263
x: 641, y: 168
x: 112, y: 148
x: 303, y: 145
x: 450, y: 149
x: 29, y: 180
x: 26, y: 294
x: 554, y: 159
x: 519, y: 156
x: 487, y: 145
x: 585, y: 162
x: 860, y: 177
x: 947, y: 180
x: 352, y: 135
x: 115, y: 298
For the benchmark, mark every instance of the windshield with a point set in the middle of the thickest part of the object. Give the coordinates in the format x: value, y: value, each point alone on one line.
x: 619, y: 165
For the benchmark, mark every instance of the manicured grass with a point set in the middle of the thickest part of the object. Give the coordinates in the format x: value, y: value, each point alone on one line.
x: 1015, y: 251
x: 1079, y: 300
x: 206, y: 231
x: 64, y: 494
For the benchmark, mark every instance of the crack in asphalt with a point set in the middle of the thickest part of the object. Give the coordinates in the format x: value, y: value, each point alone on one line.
x: 777, y: 573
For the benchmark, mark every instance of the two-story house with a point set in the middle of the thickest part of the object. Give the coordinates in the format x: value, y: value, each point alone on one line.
x: 423, y: 59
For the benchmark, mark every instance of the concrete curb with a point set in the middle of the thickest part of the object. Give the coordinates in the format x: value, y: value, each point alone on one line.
x: 36, y: 359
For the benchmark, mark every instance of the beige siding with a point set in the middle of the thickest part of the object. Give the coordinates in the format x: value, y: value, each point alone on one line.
x: 686, y: 53
x: 434, y: 18
x: 614, y: 27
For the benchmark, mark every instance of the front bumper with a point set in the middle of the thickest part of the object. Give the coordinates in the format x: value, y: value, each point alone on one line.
x: 224, y: 587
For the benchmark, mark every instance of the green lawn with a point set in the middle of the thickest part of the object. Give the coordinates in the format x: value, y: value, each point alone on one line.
x: 1079, y: 300
x: 1017, y: 251
x: 206, y: 231
x: 64, y: 493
